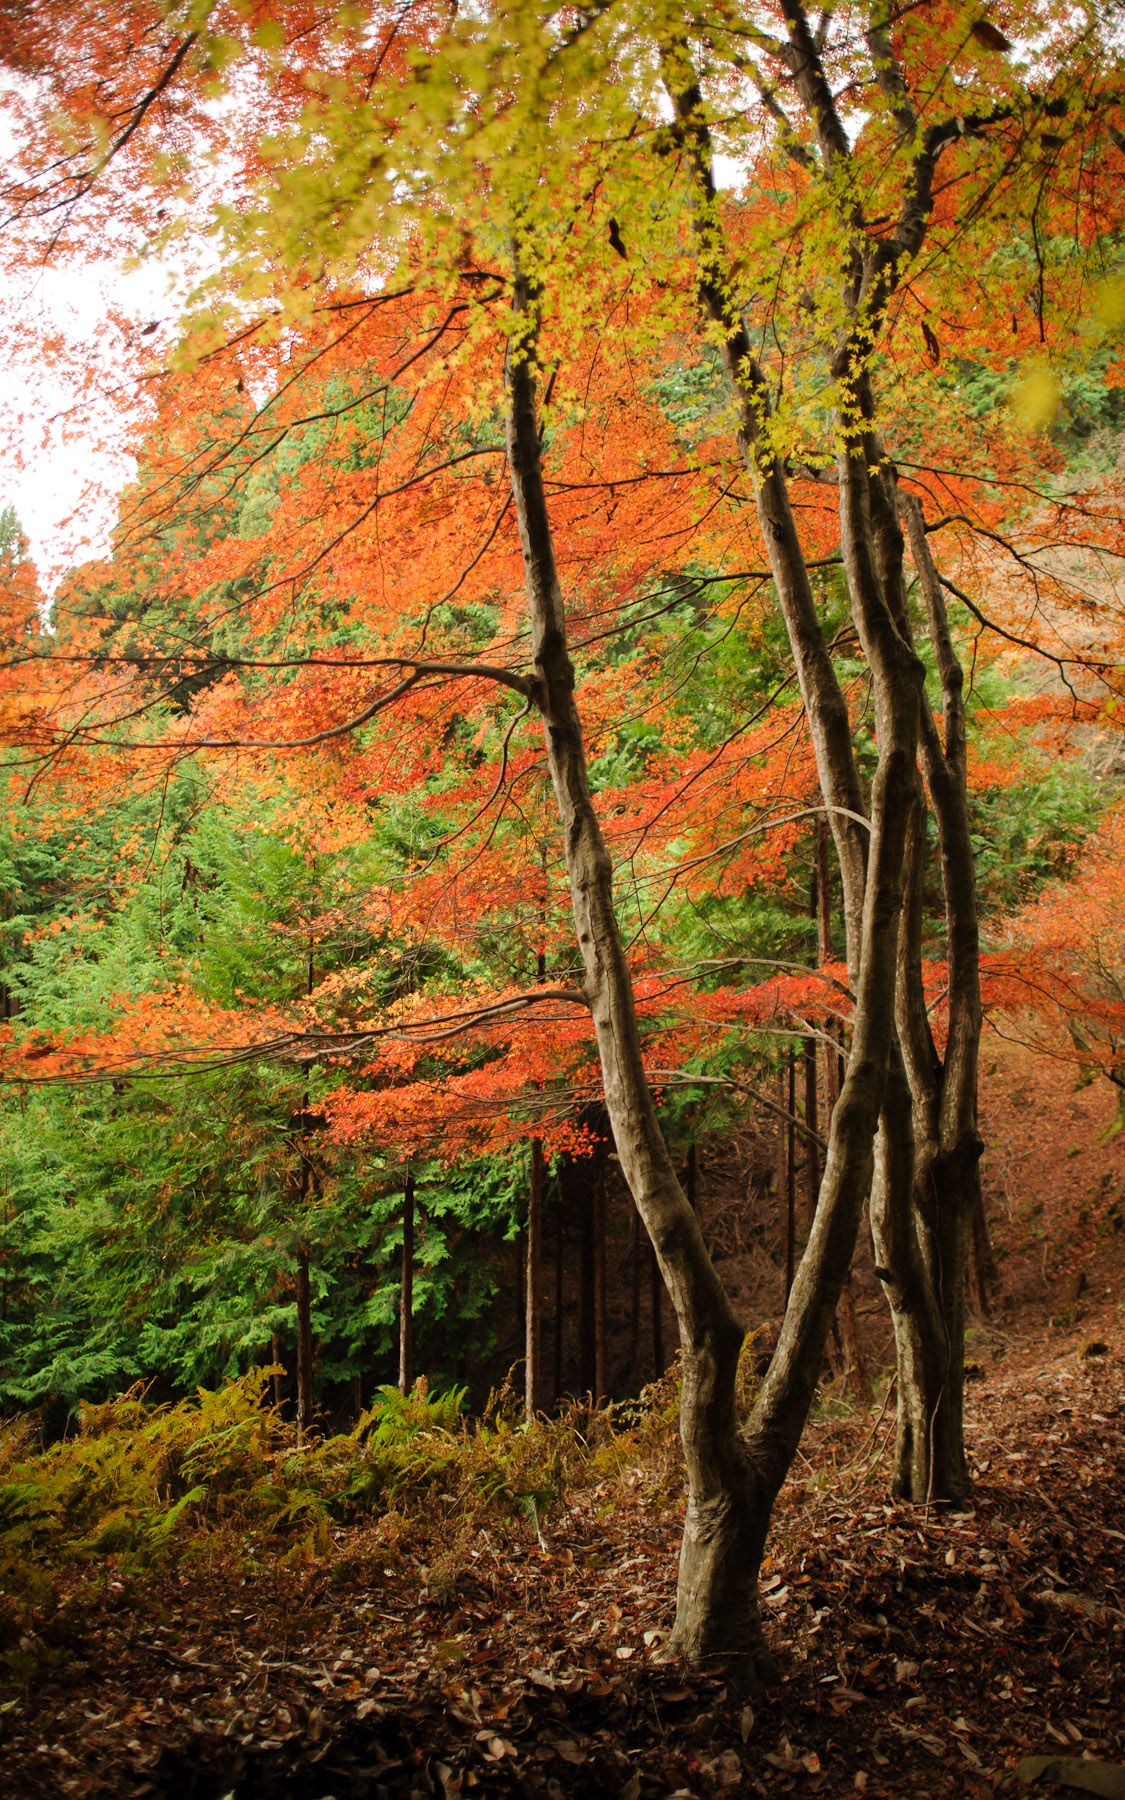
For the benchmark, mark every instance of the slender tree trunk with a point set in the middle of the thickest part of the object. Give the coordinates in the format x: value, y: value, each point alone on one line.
x: 559, y: 1292
x: 304, y: 1343
x: 846, y: 1325
x: 984, y: 1272
x: 717, y: 1612
x: 533, y: 1318
x: 812, y: 1109
x: 637, y: 1247
x: 656, y: 1307
x: 582, y: 1188
x: 790, y: 1175
x: 275, y: 1378
x: 406, y: 1291
x: 601, y: 1388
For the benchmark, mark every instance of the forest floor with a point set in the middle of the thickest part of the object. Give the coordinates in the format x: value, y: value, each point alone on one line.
x: 923, y: 1652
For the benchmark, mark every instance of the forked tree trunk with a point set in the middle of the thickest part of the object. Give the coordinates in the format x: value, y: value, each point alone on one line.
x: 406, y: 1292
x: 926, y: 1253
x: 731, y: 1485
x: 945, y: 1142
x: 533, y: 1315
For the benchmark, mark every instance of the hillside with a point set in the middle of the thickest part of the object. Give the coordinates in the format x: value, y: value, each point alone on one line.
x: 930, y: 1650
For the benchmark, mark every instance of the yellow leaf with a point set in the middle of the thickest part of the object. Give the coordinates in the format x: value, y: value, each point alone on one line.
x: 1035, y: 398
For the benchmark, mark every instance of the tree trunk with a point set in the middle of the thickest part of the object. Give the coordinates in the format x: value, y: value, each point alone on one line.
x: 716, y: 1613
x: 985, y: 1276
x: 533, y: 1316
x: 812, y: 1127
x: 581, y: 1187
x: 656, y: 1310
x: 275, y: 1378
x: 791, y: 1175
x: 846, y: 1326
x: 872, y: 547
x: 304, y: 1344
x: 601, y: 1388
x: 638, y: 1245
x: 732, y: 1483
x: 406, y: 1292
x: 945, y: 1190
x: 559, y: 1291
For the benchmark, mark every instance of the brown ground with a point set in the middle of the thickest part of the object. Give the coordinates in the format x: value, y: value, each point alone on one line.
x: 922, y: 1653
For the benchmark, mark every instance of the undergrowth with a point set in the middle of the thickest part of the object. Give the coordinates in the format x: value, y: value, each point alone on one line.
x: 139, y: 1484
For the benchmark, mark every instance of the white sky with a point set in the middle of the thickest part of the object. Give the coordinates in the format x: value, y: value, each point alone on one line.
x: 61, y: 452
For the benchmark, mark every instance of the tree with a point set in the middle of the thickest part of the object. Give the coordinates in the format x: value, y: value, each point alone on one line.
x: 536, y: 142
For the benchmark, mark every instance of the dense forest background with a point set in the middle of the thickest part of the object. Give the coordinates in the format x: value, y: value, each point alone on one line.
x: 171, y: 1230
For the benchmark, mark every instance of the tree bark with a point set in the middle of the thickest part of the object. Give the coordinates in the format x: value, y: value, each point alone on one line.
x: 406, y: 1291
x: 601, y: 1388
x: 789, y: 1090
x: 731, y: 1484
x: 985, y: 1276
x: 559, y: 1291
x: 846, y: 1327
x: 533, y: 1316
x: 716, y: 1613
x: 656, y: 1309
x: 945, y: 1141
x: 812, y: 1125
x: 638, y: 1245
x: 581, y: 1186
x: 926, y: 1285
x: 304, y: 1344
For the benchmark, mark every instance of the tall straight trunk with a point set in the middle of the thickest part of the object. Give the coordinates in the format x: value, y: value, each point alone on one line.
x: 406, y: 1291
x: 533, y: 1271
x: 582, y: 1188
x: 691, y: 1176
x: 984, y: 1272
x: 656, y: 1308
x: 637, y: 1247
x: 732, y: 1483
x: 306, y: 1186
x: 304, y: 1343
x: 846, y: 1328
x: 557, y: 1322
x: 601, y: 1346
x: 533, y: 1315
x: 812, y: 1129
x: 789, y: 1231
x: 275, y: 1378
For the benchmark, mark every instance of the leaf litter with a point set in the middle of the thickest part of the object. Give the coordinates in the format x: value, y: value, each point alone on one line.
x: 923, y: 1652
